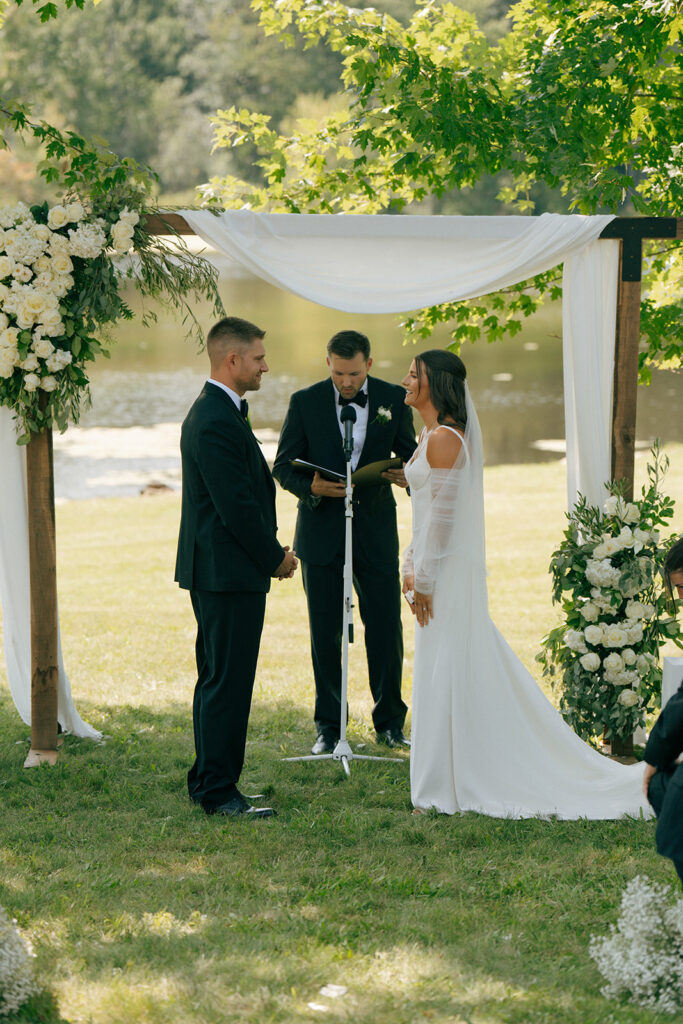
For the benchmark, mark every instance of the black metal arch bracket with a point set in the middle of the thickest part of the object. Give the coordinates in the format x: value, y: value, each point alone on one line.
x: 632, y: 231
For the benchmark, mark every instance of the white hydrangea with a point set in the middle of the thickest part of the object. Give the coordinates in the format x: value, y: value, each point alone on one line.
x: 10, y: 215
x: 16, y: 977
x: 642, y: 957
x: 575, y: 641
x: 58, y: 360
x: 86, y: 241
x: 601, y: 573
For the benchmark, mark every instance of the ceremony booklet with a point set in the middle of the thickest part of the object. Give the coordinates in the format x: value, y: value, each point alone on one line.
x: 370, y: 474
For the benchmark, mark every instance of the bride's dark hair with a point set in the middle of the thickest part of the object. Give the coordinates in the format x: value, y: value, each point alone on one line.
x: 446, y: 375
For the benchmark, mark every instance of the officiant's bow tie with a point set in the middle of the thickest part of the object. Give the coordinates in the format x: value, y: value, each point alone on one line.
x: 244, y: 408
x: 360, y: 399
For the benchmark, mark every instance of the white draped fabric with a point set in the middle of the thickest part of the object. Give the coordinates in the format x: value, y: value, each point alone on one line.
x: 15, y: 594
x: 391, y: 264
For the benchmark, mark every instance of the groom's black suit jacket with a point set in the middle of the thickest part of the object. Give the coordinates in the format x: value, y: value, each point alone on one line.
x: 666, y: 787
x: 311, y: 432
x: 228, y: 527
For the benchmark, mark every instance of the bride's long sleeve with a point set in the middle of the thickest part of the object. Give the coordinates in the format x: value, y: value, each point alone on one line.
x: 408, y: 566
x: 439, y: 538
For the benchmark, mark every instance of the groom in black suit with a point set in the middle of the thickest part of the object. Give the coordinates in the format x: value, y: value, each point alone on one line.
x: 227, y: 553
x: 312, y: 431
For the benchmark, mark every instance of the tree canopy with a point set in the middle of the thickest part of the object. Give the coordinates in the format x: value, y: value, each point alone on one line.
x: 583, y: 98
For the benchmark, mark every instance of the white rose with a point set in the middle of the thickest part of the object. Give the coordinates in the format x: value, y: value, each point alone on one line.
x: 590, y: 661
x: 31, y: 362
x: 612, y: 545
x: 41, y: 232
x: 616, y: 636
x: 31, y: 381
x: 613, y: 663
x: 593, y: 634
x: 6, y: 266
x: 131, y: 217
x: 9, y: 337
x: 625, y: 537
x: 43, y: 348
x: 642, y: 536
x: 61, y: 285
x: 61, y: 263
x: 648, y: 611
x: 628, y: 698
x: 628, y: 656
x: 631, y: 513
x: 4, y: 321
x: 48, y: 383
x: 644, y: 663
x: 635, y: 610
x: 75, y: 211
x: 610, y: 506
x: 6, y: 365
x: 589, y: 611
x: 42, y: 264
x: 635, y: 633
x: 122, y: 236
x: 34, y: 302
x: 57, y: 217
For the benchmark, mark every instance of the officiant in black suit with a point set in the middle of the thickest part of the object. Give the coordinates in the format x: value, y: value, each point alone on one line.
x: 663, y: 779
x: 227, y: 553
x: 313, y: 431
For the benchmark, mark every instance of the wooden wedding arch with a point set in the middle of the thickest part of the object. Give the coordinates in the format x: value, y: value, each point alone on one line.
x: 630, y: 231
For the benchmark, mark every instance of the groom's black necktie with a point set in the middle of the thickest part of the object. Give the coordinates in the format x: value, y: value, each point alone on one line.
x: 360, y: 399
x: 244, y: 408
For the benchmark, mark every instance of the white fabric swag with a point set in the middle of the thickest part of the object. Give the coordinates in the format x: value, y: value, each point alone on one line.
x: 380, y: 264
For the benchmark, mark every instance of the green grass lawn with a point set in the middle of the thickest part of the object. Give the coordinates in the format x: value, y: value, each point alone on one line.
x: 142, y: 909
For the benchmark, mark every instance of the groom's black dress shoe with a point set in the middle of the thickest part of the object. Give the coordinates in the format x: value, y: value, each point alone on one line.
x: 325, y: 743
x: 237, y: 807
x: 392, y: 738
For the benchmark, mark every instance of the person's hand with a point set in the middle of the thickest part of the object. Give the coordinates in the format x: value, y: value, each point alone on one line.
x: 650, y: 770
x: 396, y: 476
x: 285, y: 569
x: 423, y: 608
x: 327, y: 488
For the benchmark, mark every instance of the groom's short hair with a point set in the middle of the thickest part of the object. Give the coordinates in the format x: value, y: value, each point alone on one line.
x: 347, y: 344
x: 232, y: 333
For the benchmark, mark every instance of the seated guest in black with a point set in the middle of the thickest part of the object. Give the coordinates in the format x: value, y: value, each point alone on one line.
x: 663, y: 780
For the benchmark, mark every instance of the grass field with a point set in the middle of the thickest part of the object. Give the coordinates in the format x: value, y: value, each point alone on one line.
x: 142, y: 909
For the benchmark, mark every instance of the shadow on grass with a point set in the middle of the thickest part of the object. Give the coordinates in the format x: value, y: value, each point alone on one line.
x: 143, y: 908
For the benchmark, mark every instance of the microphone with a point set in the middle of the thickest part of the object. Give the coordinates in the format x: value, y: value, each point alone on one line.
x: 348, y: 418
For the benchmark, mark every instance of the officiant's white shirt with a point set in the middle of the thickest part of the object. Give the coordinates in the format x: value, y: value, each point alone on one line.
x: 360, y: 427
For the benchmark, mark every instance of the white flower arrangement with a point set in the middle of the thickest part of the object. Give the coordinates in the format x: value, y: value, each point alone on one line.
x: 16, y: 977
x: 60, y: 284
x: 383, y: 415
x: 642, y: 957
x: 605, y: 573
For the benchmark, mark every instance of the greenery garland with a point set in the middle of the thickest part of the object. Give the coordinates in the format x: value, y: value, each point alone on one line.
x: 616, y: 616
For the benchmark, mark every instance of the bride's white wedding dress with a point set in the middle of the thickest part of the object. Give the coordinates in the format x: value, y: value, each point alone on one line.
x: 484, y: 736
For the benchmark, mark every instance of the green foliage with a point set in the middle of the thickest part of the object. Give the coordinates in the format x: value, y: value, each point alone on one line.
x: 583, y: 98
x: 606, y: 577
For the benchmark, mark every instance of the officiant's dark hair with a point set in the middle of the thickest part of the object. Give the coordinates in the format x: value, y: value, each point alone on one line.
x: 347, y: 344
x: 446, y: 374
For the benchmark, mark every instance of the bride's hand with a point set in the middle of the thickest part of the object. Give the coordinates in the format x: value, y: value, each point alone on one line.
x: 423, y: 608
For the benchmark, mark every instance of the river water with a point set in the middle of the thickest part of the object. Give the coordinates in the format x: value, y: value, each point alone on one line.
x: 129, y: 438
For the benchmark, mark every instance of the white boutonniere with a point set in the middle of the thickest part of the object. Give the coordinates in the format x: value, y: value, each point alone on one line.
x: 383, y: 415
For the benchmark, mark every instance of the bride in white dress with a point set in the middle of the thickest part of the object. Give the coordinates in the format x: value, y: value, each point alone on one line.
x: 484, y: 736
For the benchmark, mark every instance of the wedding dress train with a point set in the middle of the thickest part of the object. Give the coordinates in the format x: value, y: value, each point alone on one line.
x: 484, y: 736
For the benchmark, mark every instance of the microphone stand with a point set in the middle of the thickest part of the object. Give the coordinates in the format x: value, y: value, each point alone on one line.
x: 342, y: 751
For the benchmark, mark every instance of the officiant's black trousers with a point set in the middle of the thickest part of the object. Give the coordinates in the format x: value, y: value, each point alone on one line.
x: 379, y: 604
x: 228, y: 636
